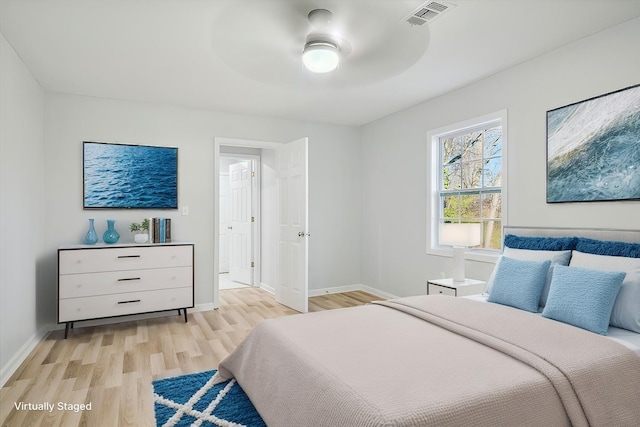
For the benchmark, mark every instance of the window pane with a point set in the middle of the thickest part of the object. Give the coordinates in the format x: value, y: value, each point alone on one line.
x: 469, y: 206
x: 451, y: 178
x: 492, y: 235
x: 472, y: 146
x: 493, y: 172
x: 472, y: 174
x: 450, y: 207
x: 493, y: 142
x: 492, y: 205
x: 451, y: 150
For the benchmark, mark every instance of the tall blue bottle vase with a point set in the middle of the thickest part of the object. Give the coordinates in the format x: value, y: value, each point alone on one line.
x: 111, y: 235
x: 91, y: 238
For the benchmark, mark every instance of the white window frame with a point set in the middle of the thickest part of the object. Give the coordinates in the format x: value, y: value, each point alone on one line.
x: 433, y: 180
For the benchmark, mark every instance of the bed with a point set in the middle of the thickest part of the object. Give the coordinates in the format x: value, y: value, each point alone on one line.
x: 445, y: 361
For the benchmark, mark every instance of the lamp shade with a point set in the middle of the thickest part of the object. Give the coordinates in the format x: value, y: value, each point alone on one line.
x: 320, y: 56
x: 455, y: 234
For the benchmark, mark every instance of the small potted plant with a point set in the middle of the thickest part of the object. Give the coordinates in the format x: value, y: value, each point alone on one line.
x: 140, y: 230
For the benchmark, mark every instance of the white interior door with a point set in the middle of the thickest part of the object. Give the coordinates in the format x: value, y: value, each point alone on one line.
x: 224, y: 225
x: 293, y: 233
x: 240, y: 269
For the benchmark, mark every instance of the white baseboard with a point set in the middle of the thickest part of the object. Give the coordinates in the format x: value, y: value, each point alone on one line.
x: 350, y: 288
x: 378, y: 292
x: 268, y: 288
x: 336, y: 290
x: 204, y: 307
x: 14, y: 363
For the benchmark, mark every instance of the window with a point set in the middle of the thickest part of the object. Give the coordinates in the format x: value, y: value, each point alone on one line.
x: 468, y: 177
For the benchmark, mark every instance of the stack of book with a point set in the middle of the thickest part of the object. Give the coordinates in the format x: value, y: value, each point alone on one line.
x: 159, y: 230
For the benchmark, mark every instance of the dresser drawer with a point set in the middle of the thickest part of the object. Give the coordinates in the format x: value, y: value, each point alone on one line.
x: 73, y: 309
x: 114, y: 282
x: 442, y: 290
x: 101, y: 259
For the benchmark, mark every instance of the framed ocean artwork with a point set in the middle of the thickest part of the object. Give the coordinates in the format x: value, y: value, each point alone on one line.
x: 593, y: 149
x: 124, y: 176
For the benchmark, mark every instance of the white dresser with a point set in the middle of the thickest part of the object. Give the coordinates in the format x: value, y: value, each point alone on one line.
x: 116, y: 280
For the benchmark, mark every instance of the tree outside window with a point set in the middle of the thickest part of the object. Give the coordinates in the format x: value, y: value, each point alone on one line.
x: 470, y: 174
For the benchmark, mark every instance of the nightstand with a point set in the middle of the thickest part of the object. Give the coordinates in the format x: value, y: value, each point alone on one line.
x: 455, y: 289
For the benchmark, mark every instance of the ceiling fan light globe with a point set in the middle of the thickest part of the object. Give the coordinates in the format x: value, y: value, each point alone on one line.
x: 320, y: 57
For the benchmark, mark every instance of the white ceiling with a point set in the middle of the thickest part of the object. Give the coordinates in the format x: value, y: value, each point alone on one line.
x: 242, y: 56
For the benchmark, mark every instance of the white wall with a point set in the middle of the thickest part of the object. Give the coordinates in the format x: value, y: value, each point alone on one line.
x: 334, y: 218
x: 394, y: 150
x: 22, y: 208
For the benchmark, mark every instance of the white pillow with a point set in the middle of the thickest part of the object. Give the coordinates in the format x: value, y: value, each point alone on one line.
x: 626, y: 309
x: 556, y: 257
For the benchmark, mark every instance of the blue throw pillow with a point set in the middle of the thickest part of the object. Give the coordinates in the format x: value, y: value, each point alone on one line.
x: 610, y: 248
x: 583, y: 297
x: 540, y: 243
x: 519, y: 283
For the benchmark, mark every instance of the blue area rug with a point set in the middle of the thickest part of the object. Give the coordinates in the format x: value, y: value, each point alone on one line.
x: 192, y: 400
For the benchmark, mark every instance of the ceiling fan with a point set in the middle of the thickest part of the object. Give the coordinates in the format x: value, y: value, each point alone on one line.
x: 300, y: 43
x: 321, y: 53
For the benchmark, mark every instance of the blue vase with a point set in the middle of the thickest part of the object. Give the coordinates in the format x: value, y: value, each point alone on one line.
x: 111, y: 235
x: 91, y: 237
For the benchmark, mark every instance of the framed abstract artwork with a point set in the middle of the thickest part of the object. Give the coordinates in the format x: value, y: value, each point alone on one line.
x: 593, y: 149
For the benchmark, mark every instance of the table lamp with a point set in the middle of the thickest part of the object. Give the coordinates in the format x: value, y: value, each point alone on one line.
x: 460, y: 236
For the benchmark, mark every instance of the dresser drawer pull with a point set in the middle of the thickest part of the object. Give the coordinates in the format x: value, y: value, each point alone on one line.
x: 128, y: 278
x: 128, y: 302
x: 128, y: 256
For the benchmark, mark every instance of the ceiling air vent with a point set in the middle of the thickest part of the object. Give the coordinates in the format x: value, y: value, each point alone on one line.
x: 428, y: 12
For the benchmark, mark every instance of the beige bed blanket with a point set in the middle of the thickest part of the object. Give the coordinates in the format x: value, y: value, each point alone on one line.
x: 434, y: 361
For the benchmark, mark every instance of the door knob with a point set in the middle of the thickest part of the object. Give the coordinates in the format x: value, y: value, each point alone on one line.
x: 302, y: 234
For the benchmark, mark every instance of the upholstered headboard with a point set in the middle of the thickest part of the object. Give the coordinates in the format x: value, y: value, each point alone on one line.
x: 629, y: 236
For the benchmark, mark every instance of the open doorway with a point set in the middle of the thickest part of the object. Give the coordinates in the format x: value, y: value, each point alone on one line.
x: 239, y: 219
x: 280, y: 238
x: 264, y: 209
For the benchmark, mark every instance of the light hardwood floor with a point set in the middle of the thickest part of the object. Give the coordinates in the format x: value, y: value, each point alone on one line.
x: 112, y: 366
